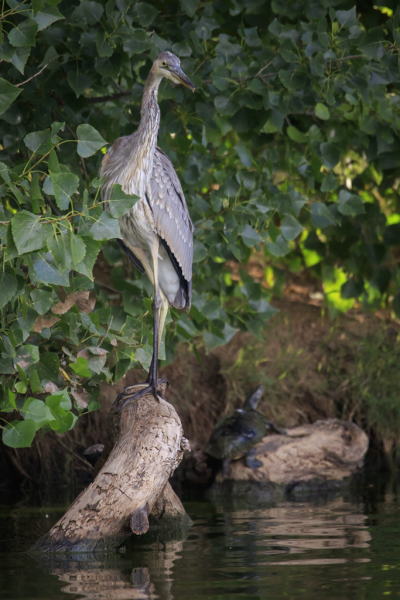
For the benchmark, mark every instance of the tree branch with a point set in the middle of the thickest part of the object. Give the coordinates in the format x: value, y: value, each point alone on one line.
x: 33, y: 76
x: 109, y: 98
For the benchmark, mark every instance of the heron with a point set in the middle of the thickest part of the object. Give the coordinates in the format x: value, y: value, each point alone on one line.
x: 157, y: 233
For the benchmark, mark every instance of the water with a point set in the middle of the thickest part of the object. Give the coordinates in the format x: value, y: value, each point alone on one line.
x: 334, y: 548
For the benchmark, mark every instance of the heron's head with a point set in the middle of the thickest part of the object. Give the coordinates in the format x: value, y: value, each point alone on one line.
x: 169, y: 66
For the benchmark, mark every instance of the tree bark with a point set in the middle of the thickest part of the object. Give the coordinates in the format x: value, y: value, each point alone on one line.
x: 145, y: 445
x: 330, y: 450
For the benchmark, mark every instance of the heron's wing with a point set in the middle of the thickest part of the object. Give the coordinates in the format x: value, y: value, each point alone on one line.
x: 171, y: 215
x: 114, y: 164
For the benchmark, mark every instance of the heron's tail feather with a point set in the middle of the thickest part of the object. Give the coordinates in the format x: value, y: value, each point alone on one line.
x: 130, y: 255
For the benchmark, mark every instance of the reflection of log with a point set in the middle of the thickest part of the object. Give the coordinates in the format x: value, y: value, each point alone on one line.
x: 330, y: 450
x: 144, y: 447
x: 139, y: 573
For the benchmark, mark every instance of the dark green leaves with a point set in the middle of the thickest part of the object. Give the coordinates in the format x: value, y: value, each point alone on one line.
x: 119, y: 202
x: 290, y: 228
x: 39, y: 141
x: 28, y: 232
x: 64, y: 185
x: 105, y: 228
x: 89, y: 140
x: 19, y: 434
x: 79, y: 83
x: 371, y: 44
x: 8, y: 287
x: 146, y: 13
x: 330, y: 155
x: 322, y: 111
x: 8, y: 93
x: 23, y: 34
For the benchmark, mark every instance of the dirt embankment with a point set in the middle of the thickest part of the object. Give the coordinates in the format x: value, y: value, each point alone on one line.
x: 311, y: 367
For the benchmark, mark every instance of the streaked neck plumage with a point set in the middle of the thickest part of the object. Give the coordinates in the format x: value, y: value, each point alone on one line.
x: 146, y: 138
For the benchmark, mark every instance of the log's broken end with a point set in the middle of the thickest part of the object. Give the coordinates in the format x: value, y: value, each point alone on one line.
x: 140, y: 521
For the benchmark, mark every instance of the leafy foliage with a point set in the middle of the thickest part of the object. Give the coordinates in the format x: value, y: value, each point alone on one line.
x: 288, y: 148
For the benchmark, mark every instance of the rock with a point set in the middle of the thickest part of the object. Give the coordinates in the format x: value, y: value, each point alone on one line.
x: 330, y: 450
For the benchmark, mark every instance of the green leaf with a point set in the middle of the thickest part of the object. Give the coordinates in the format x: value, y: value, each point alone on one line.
x: 47, y: 16
x: 19, y: 434
x: 86, y: 265
x: 39, y: 141
x: 321, y: 216
x: 79, y: 83
x: 103, y: 47
x: 4, y: 173
x: 329, y: 184
x: 7, y: 365
x: 64, y: 186
x: 47, y: 367
x: 89, y: 140
x: 290, y: 228
x: 81, y: 367
x: 250, y: 236
x: 296, y: 135
x: 20, y: 58
x: 199, y: 252
x: 60, y: 249
x: 347, y: 18
x: 371, y: 44
x: 322, y: 111
x: 42, y: 300
x: 8, y: 93
x: 28, y: 232
x: 279, y: 248
x: 350, y: 204
x: 189, y: 6
x: 330, y: 155
x: 78, y: 248
x: 24, y: 34
x: 46, y: 271
x: 144, y: 355
x: 105, y: 228
x: 146, y: 13
x: 8, y: 288
x: 93, y: 11
x: 38, y: 411
x: 119, y: 202
x: 34, y: 382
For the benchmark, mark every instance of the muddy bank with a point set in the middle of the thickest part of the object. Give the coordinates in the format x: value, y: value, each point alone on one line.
x: 311, y: 366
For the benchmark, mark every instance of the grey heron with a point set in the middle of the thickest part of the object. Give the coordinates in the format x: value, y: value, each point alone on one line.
x: 157, y: 233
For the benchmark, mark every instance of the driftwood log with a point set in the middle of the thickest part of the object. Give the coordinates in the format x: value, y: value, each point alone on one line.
x: 145, y: 445
x: 330, y: 450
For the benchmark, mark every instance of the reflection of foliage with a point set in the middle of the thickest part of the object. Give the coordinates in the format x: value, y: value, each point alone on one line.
x: 291, y: 135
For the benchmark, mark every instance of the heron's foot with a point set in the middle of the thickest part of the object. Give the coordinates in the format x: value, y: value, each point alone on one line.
x: 131, y: 392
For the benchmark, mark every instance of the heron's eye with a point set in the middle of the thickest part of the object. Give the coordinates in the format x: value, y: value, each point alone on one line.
x: 163, y: 64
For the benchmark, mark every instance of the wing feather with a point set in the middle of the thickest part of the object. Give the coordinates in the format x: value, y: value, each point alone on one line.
x: 171, y: 215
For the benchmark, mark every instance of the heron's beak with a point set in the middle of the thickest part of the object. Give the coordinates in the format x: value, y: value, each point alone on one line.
x: 180, y: 75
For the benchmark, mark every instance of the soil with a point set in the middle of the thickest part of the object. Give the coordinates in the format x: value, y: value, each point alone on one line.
x: 304, y: 359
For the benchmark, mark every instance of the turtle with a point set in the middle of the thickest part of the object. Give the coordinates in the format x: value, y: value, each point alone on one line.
x: 237, y: 432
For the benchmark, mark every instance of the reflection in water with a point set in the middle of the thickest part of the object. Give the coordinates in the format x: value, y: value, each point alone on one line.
x: 229, y: 544
x: 97, y: 583
x: 238, y: 548
x: 100, y: 577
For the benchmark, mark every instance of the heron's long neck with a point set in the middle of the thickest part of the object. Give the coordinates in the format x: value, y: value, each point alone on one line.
x: 148, y: 126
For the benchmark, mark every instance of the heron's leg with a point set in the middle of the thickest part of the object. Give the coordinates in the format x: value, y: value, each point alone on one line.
x: 162, y: 314
x: 152, y: 380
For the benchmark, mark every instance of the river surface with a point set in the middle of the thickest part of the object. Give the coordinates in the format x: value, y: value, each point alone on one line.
x: 344, y: 546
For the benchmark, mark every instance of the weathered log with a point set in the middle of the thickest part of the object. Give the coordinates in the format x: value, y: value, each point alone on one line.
x: 144, y: 446
x: 330, y: 450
